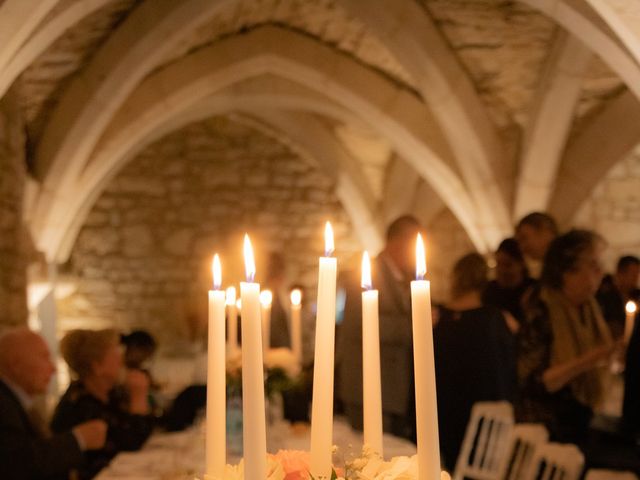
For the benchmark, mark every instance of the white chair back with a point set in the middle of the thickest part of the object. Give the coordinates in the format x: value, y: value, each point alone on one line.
x: 556, y: 461
x: 525, y: 440
x: 597, y: 474
x: 486, y: 442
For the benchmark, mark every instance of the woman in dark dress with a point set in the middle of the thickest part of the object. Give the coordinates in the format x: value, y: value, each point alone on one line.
x: 95, y: 358
x: 564, y: 343
x: 512, y: 280
x: 474, y: 354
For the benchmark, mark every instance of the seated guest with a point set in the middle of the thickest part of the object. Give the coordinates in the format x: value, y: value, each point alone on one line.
x: 279, y: 335
x: 474, y: 354
x: 27, y: 450
x: 140, y: 347
x: 616, y: 290
x: 564, y: 340
x: 512, y: 280
x: 95, y: 358
x: 534, y: 234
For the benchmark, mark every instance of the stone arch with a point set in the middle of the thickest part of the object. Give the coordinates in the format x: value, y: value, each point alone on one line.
x: 271, y: 50
x: 18, y: 20
x: 413, y: 38
x: 43, y: 37
x: 623, y: 17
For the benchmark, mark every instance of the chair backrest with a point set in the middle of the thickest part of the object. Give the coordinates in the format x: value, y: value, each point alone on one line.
x: 486, y: 442
x: 597, y: 474
x: 556, y: 461
x: 525, y: 440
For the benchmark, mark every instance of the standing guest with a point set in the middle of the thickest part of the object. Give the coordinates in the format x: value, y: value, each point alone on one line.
x: 475, y: 354
x: 534, y: 234
x: 512, y: 280
x: 564, y: 340
x: 616, y: 290
x: 96, y: 360
x: 392, y: 272
x: 276, y: 282
x: 27, y: 450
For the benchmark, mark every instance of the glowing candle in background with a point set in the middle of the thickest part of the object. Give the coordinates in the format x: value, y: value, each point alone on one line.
x: 266, y: 298
x: 424, y: 371
x: 216, y: 378
x: 322, y: 406
x: 254, y: 422
x: 371, y: 387
x: 232, y: 320
x: 296, y: 324
x: 630, y: 320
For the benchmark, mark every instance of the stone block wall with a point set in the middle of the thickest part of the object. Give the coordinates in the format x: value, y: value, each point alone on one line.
x: 143, y: 256
x: 613, y: 210
x: 13, y: 236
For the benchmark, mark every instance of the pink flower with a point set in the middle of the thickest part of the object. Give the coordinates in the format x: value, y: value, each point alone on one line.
x: 295, y: 464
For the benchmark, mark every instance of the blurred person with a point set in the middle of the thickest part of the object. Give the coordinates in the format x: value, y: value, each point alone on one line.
x: 28, y: 451
x: 96, y: 360
x: 616, y: 290
x: 475, y: 354
x: 392, y: 272
x: 534, y: 233
x: 276, y: 282
x: 140, y: 347
x: 564, y: 340
x: 512, y: 280
x: 631, y: 401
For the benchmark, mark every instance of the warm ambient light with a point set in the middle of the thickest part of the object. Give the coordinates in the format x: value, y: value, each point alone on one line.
x: 366, y: 271
x: 266, y: 297
x: 296, y: 296
x: 329, y: 245
x: 421, y: 262
x: 231, y: 296
x: 239, y: 304
x: 249, y: 262
x: 631, y: 307
x: 217, y: 272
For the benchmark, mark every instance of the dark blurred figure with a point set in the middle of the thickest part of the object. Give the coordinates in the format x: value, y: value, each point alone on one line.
x: 140, y: 347
x: 534, y: 233
x: 392, y: 272
x: 512, y: 280
x: 631, y: 405
x: 96, y: 361
x: 276, y: 282
x: 28, y: 451
x: 616, y: 290
x: 475, y: 354
x: 564, y: 341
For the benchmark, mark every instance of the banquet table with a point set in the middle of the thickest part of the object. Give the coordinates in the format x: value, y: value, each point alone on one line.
x: 180, y: 455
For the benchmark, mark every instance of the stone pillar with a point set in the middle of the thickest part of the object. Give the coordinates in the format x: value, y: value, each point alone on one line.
x: 13, y: 243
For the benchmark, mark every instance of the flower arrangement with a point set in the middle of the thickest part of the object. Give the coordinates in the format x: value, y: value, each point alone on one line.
x: 294, y: 465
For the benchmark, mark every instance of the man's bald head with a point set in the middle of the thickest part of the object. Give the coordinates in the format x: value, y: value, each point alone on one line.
x: 25, y: 360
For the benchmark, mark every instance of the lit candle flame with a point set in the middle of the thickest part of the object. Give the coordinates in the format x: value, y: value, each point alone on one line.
x: 239, y: 304
x: 421, y: 261
x: 329, y: 246
x: 366, y: 271
x: 231, y: 296
x: 631, y: 307
x: 217, y: 272
x: 266, y: 297
x: 249, y: 262
x: 296, y: 296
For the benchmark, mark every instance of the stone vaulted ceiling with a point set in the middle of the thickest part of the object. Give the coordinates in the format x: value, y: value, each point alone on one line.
x: 487, y: 108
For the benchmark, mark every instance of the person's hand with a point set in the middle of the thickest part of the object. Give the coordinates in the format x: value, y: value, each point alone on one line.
x: 599, y: 355
x: 137, y: 384
x: 92, y: 434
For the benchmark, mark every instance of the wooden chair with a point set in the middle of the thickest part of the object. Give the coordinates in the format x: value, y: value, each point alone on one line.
x: 486, y: 442
x: 525, y: 440
x: 556, y: 461
x: 597, y: 474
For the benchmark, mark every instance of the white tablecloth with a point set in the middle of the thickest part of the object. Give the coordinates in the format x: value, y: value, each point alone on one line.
x: 169, y: 456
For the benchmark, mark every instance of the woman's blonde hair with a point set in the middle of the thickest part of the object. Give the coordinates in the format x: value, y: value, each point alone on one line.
x: 81, y: 348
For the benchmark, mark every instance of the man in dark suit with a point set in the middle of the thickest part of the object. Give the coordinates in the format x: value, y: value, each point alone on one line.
x: 392, y: 273
x: 27, y: 451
